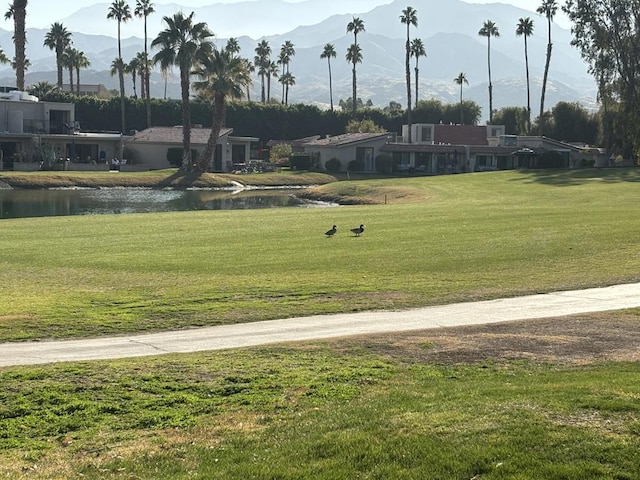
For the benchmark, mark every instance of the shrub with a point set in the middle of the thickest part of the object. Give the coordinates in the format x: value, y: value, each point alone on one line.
x: 355, y: 166
x: 384, y: 163
x: 300, y: 161
x: 333, y: 165
x: 551, y: 160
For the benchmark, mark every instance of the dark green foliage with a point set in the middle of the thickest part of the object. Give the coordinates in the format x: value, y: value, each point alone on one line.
x: 552, y: 159
x: 513, y: 118
x: 300, y: 161
x: 384, y: 163
x: 571, y: 122
x: 355, y: 166
x: 333, y: 165
x: 174, y: 156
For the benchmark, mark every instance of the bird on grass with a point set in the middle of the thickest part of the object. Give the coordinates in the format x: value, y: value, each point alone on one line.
x: 332, y: 232
x: 358, y: 230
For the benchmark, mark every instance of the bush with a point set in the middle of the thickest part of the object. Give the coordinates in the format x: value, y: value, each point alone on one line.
x: 384, y: 163
x: 355, y: 166
x: 333, y: 165
x: 551, y: 159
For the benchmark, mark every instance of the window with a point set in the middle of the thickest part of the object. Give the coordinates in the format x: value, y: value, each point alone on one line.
x: 364, y: 157
x: 425, y: 134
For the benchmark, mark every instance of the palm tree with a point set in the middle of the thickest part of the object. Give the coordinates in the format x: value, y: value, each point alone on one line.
x: 232, y: 46
x: 120, y: 11
x: 489, y: 29
x: 409, y: 17
x: 43, y: 89
x: 224, y: 76
x: 329, y: 52
x: 287, y: 80
x: 354, y: 55
x: 461, y: 80
x: 272, y: 72
x: 133, y: 67
x: 143, y: 68
x: 548, y: 9
x: 287, y: 51
x: 525, y: 29
x: 58, y: 38
x: 250, y: 67
x: 69, y: 59
x: 18, y: 11
x: 182, y: 43
x: 81, y: 61
x: 262, y: 62
x: 417, y: 50
x: 144, y: 8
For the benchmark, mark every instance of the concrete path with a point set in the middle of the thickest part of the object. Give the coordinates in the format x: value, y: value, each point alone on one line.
x: 317, y: 327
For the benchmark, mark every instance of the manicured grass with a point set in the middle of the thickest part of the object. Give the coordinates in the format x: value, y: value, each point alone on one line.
x: 463, y: 237
x: 320, y: 410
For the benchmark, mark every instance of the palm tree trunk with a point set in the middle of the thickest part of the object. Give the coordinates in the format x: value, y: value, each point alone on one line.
x: 121, y: 78
x: 208, y: 158
x: 526, y: 62
x: 186, y: 118
x: 71, y: 79
x: 59, y: 67
x: 147, y: 74
x: 330, y: 85
x: 20, y: 40
x: 461, y: 107
x: 490, y: 84
x: 544, y: 90
x: 78, y: 80
x: 354, y: 93
x: 408, y: 78
x: 417, y: 71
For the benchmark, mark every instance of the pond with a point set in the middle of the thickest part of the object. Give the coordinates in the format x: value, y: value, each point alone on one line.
x: 42, y: 203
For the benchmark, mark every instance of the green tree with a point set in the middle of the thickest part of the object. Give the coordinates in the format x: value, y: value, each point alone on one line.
x: 81, y: 61
x: 461, y: 80
x: 417, y: 51
x: 514, y: 120
x: 489, y: 29
x: 287, y: 80
x: 354, y: 55
x: 409, y: 17
x: 366, y: 125
x: 573, y: 123
x: 525, y: 29
x: 182, y: 43
x: 18, y: 11
x: 329, y: 52
x: 43, y: 89
x: 549, y: 9
x: 287, y: 51
x: 120, y: 11
x: 132, y: 68
x: 144, y: 8
x: 57, y: 39
x: 69, y: 60
x: 224, y: 76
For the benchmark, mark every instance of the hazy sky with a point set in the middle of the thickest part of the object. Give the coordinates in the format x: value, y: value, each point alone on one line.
x: 42, y: 13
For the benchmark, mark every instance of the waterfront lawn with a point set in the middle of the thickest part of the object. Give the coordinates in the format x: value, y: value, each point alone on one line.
x: 437, y: 240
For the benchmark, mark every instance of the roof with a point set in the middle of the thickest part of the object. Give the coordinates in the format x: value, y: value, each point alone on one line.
x: 345, y: 139
x: 294, y: 143
x: 173, y: 135
x: 460, y: 134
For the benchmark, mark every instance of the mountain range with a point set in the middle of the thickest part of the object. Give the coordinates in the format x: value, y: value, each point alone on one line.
x: 448, y: 29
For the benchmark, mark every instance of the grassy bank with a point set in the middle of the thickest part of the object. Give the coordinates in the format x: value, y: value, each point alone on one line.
x: 157, y: 179
x: 467, y: 238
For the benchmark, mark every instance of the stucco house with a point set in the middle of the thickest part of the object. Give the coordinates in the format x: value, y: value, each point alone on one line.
x: 156, y: 146
x: 29, y: 126
x: 354, y: 151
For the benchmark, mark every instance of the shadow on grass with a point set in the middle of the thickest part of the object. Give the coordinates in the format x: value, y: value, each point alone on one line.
x: 567, y: 178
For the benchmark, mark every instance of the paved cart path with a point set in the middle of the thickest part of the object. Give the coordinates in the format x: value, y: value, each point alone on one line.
x: 555, y: 304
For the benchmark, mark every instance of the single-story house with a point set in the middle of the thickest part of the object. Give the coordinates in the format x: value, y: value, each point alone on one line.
x: 157, y: 146
x: 353, y: 151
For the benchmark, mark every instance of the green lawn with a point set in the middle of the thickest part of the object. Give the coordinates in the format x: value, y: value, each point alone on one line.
x: 382, y: 407
x: 437, y: 240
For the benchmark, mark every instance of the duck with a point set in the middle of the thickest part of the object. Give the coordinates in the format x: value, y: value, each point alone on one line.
x: 332, y: 232
x: 358, y: 230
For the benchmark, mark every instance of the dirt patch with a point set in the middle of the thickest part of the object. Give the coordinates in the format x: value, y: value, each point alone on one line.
x: 577, y: 339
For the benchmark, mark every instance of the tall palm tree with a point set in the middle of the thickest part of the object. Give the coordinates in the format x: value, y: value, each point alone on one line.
x: 525, y: 29
x: 250, y: 67
x: 287, y: 51
x: 461, y: 80
x: 120, y: 11
x: 57, y: 39
x: 354, y: 55
x: 224, y: 76
x: 144, y: 8
x: 262, y: 63
x: 272, y: 72
x: 417, y: 50
x: 232, y: 46
x: 288, y: 80
x: 18, y: 11
x: 69, y: 59
x: 81, y: 61
x: 329, y: 52
x: 549, y: 9
x: 489, y: 29
x: 133, y: 67
x: 143, y: 68
x: 409, y: 17
x: 182, y: 43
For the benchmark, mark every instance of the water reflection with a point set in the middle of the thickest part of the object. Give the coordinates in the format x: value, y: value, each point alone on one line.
x: 41, y: 203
